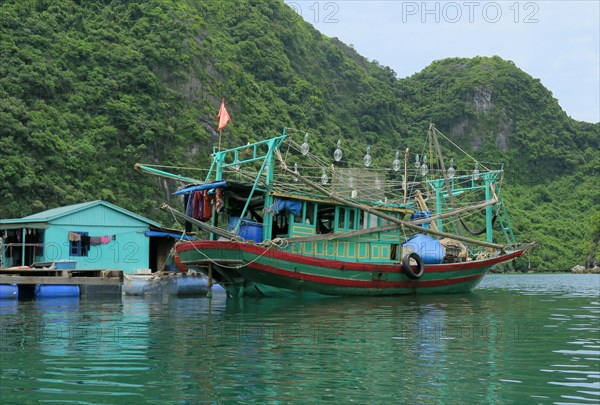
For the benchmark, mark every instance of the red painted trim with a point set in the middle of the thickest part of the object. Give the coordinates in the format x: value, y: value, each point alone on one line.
x: 338, y: 264
x: 341, y: 282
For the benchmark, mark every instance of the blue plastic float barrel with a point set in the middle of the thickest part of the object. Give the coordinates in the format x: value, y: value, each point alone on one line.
x: 421, y: 215
x: 56, y: 290
x: 192, y: 285
x: 430, y: 249
x: 9, y: 291
x: 249, y: 230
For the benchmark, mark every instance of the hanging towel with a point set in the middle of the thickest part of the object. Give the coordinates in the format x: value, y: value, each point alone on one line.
x: 198, y: 205
x: 219, y: 203
x: 207, y: 203
x: 189, y: 209
x: 74, y: 237
x: 95, y: 240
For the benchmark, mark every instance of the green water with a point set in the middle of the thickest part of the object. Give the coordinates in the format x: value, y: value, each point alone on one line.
x: 517, y: 339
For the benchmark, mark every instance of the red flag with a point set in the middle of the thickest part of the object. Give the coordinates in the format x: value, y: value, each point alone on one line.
x: 223, y: 116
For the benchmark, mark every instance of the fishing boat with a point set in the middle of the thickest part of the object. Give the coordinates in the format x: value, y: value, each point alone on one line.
x: 279, y: 219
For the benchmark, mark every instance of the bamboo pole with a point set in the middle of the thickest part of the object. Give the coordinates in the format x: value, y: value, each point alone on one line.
x: 161, y: 173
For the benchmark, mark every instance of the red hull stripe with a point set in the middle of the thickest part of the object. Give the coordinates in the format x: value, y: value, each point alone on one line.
x: 337, y: 264
x: 340, y: 282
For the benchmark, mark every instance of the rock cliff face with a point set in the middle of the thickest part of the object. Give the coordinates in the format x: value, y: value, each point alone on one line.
x: 482, y: 98
x: 592, y: 259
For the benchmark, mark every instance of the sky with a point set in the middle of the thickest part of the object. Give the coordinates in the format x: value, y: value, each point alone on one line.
x: 557, y: 42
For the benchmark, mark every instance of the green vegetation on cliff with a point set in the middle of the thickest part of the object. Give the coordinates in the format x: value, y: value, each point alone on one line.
x: 89, y: 88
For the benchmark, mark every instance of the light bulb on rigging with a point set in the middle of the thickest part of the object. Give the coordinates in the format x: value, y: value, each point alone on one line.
x: 305, y: 148
x: 337, y: 154
x: 476, y: 173
x: 367, y: 159
x: 396, y: 162
x: 324, y: 178
x: 451, y: 171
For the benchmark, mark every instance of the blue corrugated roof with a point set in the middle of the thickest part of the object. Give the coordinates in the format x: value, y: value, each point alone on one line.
x: 178, y: 235
x: 51, y: 214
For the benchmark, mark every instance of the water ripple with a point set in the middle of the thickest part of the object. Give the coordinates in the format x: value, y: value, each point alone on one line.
x: 509, y: 342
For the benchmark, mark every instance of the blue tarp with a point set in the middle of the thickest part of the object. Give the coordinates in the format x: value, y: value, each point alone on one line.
x: 430, y: 249
x: 207, y: 186
x: 295, y: 207
x: 172, y: 235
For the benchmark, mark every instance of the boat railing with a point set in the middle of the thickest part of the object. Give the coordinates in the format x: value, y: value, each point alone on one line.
x: 236, y: 157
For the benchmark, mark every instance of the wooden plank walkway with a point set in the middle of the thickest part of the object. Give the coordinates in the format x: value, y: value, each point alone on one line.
x: 105, y: 277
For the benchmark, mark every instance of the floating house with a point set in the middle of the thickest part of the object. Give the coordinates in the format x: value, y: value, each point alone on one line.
x: 90, y: 235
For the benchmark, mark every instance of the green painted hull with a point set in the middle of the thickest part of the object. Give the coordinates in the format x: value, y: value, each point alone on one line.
x: 248, y: 269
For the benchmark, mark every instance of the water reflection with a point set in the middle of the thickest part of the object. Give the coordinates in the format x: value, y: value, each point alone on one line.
x: 551, y: 285
x: 499, y: 345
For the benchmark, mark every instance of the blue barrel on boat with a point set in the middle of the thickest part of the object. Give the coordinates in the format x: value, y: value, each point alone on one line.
x: 430, y: 249
x: 56, y: 290
x: 421, y: 215
x: 249, y: 230
x: 9, y: 291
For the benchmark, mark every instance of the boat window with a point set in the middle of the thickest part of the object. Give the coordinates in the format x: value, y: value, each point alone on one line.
x: 280, y: 224
x: 382, y: 222
x: 341, y: 217
x: 309, y: 213
x: 351, y: 219
x: 325, y: 218
x: 298, y: 218
x: 346, y: 218
x: 370, y: 220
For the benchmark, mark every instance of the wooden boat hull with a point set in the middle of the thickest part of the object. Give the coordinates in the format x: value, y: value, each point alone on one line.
x: 249, y: 269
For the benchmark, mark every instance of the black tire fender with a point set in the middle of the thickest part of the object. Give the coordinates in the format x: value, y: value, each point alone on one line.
x: 407, y: 268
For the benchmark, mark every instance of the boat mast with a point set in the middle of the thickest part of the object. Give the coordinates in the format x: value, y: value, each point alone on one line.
x: 432, y: 133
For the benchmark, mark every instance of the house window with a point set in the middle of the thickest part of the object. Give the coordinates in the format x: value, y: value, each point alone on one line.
x: 81, y: 245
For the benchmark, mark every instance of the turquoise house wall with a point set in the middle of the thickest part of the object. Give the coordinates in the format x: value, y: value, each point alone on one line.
x: 129, y: 250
